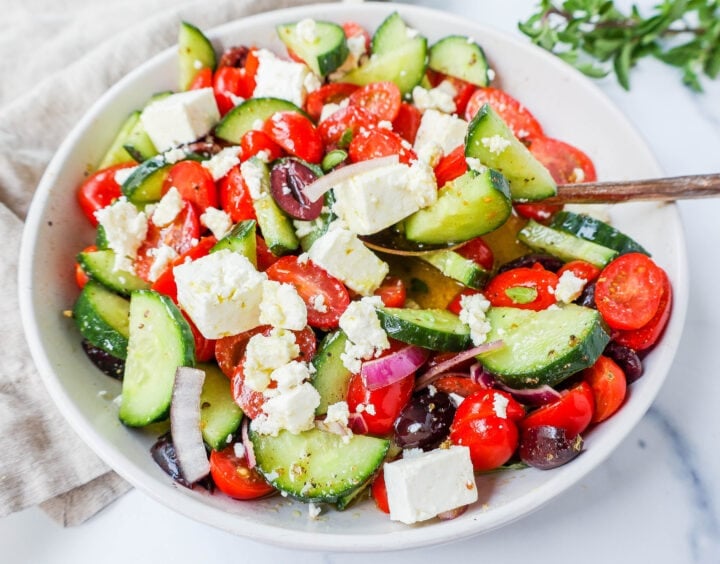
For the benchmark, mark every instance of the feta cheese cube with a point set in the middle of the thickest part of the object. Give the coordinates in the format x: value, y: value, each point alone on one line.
x: 439, y: 98
x: 371, y: 201
x: 293, y: 410
x: 344, y: 256
x: 221, y: 292
x: 282, y: 306
x: 290, y: 375
x: 180, y: 118
x: 254, y: 173
x: 164, y: 255
x: 366, y: 337
x: 421, y: 487
x: 125, y: 230
x: 569, y: 287
x: 216, y: 221
x: 266, y: 353
x: 282, y: 79
x: 437, y: 127
x: 168, y: 208
x: 222, y: 162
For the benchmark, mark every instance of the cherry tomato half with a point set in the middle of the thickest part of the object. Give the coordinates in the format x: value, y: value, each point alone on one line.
x: 478, y: 251
x: 459, y: 385
x: 80, y: 277
x: 609, y: 386
x: 353, y: 29
x: 165, y: 284
x: 324, y: 295
x: 492, y: 440
x: 581, y: 269
x: 194, y: 182
x: 332, y: 93
x: 524, y: 288
x: 381, y: 99
x: 522, y: 123
x: 407, y: 122
x: 296, y: 134
x: 451, y: 166
x: 100, y: 190
x: 381, y: 406
x: 489, y: 402
x: 255, y: 141
x: 392, y: 292
x: 628, y: 291
x: 379, y: 493
x: 233, y: 477
x: 229, y: 350
x: 352, y: 118
x: 378, y: 143
x: 235, y: 197
x: 572, y: 412
x: 204, y: 347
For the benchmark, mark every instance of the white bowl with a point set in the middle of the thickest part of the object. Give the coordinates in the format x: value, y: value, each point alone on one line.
x: 571, y: 109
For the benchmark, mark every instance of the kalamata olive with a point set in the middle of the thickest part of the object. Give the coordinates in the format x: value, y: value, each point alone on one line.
x: 548, y: 262
x: 547, y: 447
x: 107, y: 363
x: 627, y: 359
x: 587, y: 296
x: 206, y: 146
x: 287, y: 180
x: 234, y: 56
x: 425, y: 421
x: 163, y: 452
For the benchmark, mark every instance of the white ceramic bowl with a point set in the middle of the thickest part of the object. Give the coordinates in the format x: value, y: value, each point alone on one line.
x: 566, y: 103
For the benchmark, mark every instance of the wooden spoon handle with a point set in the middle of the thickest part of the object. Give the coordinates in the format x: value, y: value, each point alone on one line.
x: 654, y: 189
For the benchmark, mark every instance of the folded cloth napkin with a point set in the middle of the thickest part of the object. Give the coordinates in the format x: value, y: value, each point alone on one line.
x: 56, y: 59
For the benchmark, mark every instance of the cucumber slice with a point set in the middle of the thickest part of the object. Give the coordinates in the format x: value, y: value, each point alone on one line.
x: 323, y: 50
x: 240, y: 240
x: 491, y: 140
x: 98, y: 265
x: 138, y: 144
x: 160, y: 340
x: 101, y: 240
x: 145, y: 183
x: 461, y: 57
x: 363, y: 492
x: 457, y: 267
x: 471, y: 205
x: 333, y: 158
x: 315, y: 465
x: 242, y: 118
x: 435, y: 329
x: 543, y: 347
x: 195, y: 52
x: 220, y: 416
x: 391, y: 34
x: 116, y: 153
x: 331, y: 378
x: 405, y: 66
x: 103, y: 318
x: 320, y: 225
x: 564, y: 245
x: 597, y: 231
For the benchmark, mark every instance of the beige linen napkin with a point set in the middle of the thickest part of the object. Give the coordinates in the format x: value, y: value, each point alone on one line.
x: 56, y: 59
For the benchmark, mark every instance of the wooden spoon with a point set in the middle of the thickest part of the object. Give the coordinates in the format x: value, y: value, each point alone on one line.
x: 654, y: 189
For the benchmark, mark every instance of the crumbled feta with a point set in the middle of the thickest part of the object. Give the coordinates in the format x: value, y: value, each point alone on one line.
x: 569, y: 287
x: 338, y: 413
x: 222, y: 162
x: 255, y: 175
x: 370, y: 409
x: 491, y: 74
x: 122, y: 174
x: 290, y: 375
x: 328, y: 110
x: 266, y: 353
x: 168, y: 208
x: 239, y: 450
x: 578, y: 175
x: 293, y: 410
x: 422, y: 184
x: 366, y: 337
x: 412, y: 452
x: 314, y: 511
x: 500, y: 404
x: 317, y: 302
x: 311, y: 83
x: 216, y: 221
x: 495, y: 144
x: 221, y: 292
x: 282, y: 307
x: 174, y: 155
x: 344, y: 256
x: 125, y: 230
x: 258, y: 124
x: 163, y: 256
x: 357, y: 45
x: 420, y: 487
x: 263, y: 155
x: 385, y: 124
x: 431, y: 153
x: 180, y: 118
x: 443, y: 129
x: 306, y: 30
x: 475, y: 164
x: 439, y: 98
x: 357, y: 49
x: 277, y: 78
x: 472, y: 313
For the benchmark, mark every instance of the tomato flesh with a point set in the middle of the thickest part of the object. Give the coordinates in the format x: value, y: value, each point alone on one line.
x: 392, y: 292
x: 407, y: 122
x: 581, y: 269
x: 99, y: 191
x: 353, y: 118
x: 381, y: 406
x: 194, y: 183
x: 478, y: 251
x: 255, y: 141
x: 524, y: 288
x: 376, y: 143
x: 234, y: 478
x: 381, y: 99
x: 522, y: 123
x: 296, y: 134
x: 379, y: 493
x: 451, y: 166
x: 332, y: 93
x: 609, y: 386
x: 489, y: 402
x: 572, y: 412
x: 492, y: 440
x: 235, y: 198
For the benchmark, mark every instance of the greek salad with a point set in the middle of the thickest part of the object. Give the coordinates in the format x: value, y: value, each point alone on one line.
x: 332, y: 270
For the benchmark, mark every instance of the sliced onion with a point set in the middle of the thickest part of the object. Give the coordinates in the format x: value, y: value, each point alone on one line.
x: 482, y: 377
x: 315, y: 190
x: 386, y: 370
x: 531, y: 396
x: 439, y: 369
x: 185, y: 424
x: 247, y: 443
x: 357, y: 424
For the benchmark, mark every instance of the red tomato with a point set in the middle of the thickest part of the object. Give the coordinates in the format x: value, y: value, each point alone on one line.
x: 454, y: 305
x: 572, y: 412
x: 541, y: 213
x: 522, y: 123
x: 100, y: 190
x: 581, y: 269
x: 451, y: 166
x: 378, y: 143
x: 566, y: 163
x: 194, y: 182
x: 312, y: 281
x: 296, y: 134
x: 233, y: 477
x: 353, y: 29
x: 609, y: 386
x: 352, y: 118
x: 478, y: 251
x: 381, y: 99
x: 231, y: 83
x: 332, y: 93
x: 204, y: 348
x: 229, y: 351
x: 463, y: 91
x: 628, y: 291
x: 165, y: 284
x: 265, y: 257
x: 235, y: 197
x: 203, y: 79
x: 180, y: 235
x: 459, y: 385
x: 489, y: 402
x: 251, y: 401
x: 255, y: 141
x: 382, y: 406
x: 524, y: 288
x: 392, y: 292
x: 407, y: 122
x: 492, y: 440
x: 80, y: 277
x: 645, y: 337
x: 379, y: 493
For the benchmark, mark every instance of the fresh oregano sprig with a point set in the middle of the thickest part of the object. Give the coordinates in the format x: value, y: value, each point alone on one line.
x: 597, y: 38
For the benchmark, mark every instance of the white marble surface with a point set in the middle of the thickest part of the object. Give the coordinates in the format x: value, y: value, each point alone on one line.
x: 656, y: 499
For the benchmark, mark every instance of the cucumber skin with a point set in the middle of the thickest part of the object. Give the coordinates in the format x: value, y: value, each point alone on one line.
x: 240, y: 240
x: 145, y: 183
x: 582, y: 356
x: 220, y: 416
x: 98, y: 266
x: 455, y: 266
x: 238, y: 121
x: 193, y: 46
x: 596, y: 231
x: 443, y: 53
x: 321, y: 63
x: 94, y: 327
x: 331, y: 378
x: 403, y: 330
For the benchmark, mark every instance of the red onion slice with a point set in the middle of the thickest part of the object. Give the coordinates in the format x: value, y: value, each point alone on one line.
x: 315, y: 190
x: 357, y: 424
x: 532, y: 396
x: 480, y: 376
x: 185, y: 424
x: 386, y: 370
x: 247, y: 443
x: 442, y: 367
